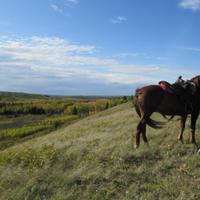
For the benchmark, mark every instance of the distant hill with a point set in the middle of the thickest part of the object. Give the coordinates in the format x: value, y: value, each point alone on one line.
x: 94, y: 159
x: 42, y: 96
x: 21, y: 95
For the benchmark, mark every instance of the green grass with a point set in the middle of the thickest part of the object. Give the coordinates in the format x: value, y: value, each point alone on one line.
x: 26, y: 127
x: 94, y: 159
x: 21, y: 132
x: 49, y: 123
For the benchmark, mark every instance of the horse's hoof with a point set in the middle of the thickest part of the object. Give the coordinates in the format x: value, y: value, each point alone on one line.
x: 136, y: 146
x: 180, y: 140
x: 147, y: 144
x: 196, y: 145
x: 193, y: 142
x: 198, y: 152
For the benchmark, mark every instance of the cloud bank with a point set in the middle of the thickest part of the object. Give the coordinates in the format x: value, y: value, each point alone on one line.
x: 57, y: 66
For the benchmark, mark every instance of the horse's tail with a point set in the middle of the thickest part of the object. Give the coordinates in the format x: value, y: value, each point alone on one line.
x: 137, y: 109
x: 136, y: 103
x: 154, y: 124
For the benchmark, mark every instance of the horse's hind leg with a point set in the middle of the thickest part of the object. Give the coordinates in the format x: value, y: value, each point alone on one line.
x: 194, y: 117
x: 144, y: 134
x: 182, y: 123
x: 137, y: 138
x: 141, y: 128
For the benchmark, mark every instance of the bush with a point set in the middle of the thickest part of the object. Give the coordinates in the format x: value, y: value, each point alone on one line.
x: 21, y: 132
x: 29, y: 130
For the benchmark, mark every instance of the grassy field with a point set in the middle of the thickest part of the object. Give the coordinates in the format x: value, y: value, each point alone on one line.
x: 93, y: 159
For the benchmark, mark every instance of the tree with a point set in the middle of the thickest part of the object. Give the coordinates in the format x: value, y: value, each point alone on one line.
x: 74, y: 110
x: 124, y: 99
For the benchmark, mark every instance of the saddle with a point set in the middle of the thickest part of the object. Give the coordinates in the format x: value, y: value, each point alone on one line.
x: 184, y: 90
x: 180, y: 87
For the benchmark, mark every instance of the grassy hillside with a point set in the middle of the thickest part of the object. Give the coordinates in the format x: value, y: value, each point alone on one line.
x: 93, y: 159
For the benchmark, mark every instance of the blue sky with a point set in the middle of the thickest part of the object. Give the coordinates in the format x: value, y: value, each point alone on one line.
x: 96, y: 47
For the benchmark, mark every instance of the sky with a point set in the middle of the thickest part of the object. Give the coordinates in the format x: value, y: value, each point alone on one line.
x: 96, y: 47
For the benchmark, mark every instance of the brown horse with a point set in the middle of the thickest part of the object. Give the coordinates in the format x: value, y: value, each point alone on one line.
x: 155, y: 98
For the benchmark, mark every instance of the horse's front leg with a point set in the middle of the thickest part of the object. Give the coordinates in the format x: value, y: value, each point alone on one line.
x: 194, y: 117
x: 182, y: 125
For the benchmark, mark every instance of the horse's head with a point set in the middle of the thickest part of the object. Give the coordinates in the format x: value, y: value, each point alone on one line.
x: 196, y: 81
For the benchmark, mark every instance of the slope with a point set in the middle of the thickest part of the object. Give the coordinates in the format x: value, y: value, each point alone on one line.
x: 94, y: 159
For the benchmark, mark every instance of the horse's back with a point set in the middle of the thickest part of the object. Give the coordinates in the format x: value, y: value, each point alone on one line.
x: 149, y: 91
x: 149, y: 97
x: 154, y: 98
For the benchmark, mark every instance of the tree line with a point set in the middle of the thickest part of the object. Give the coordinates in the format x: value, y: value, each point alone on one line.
x: 80, y: 108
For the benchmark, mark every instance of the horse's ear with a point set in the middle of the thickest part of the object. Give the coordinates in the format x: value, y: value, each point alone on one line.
x: 199, y: 81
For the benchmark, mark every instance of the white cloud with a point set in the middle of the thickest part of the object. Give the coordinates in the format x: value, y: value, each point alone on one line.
x: 32, y: 60
x: 190, y: 48
x: 65, y: 3
x: 56, y: 8
x: 126, y: 54
x: 52, y: 54
x: 190, y: 4
x: 118, y: 20
x: 161, y: 58
x: 71, y: 3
